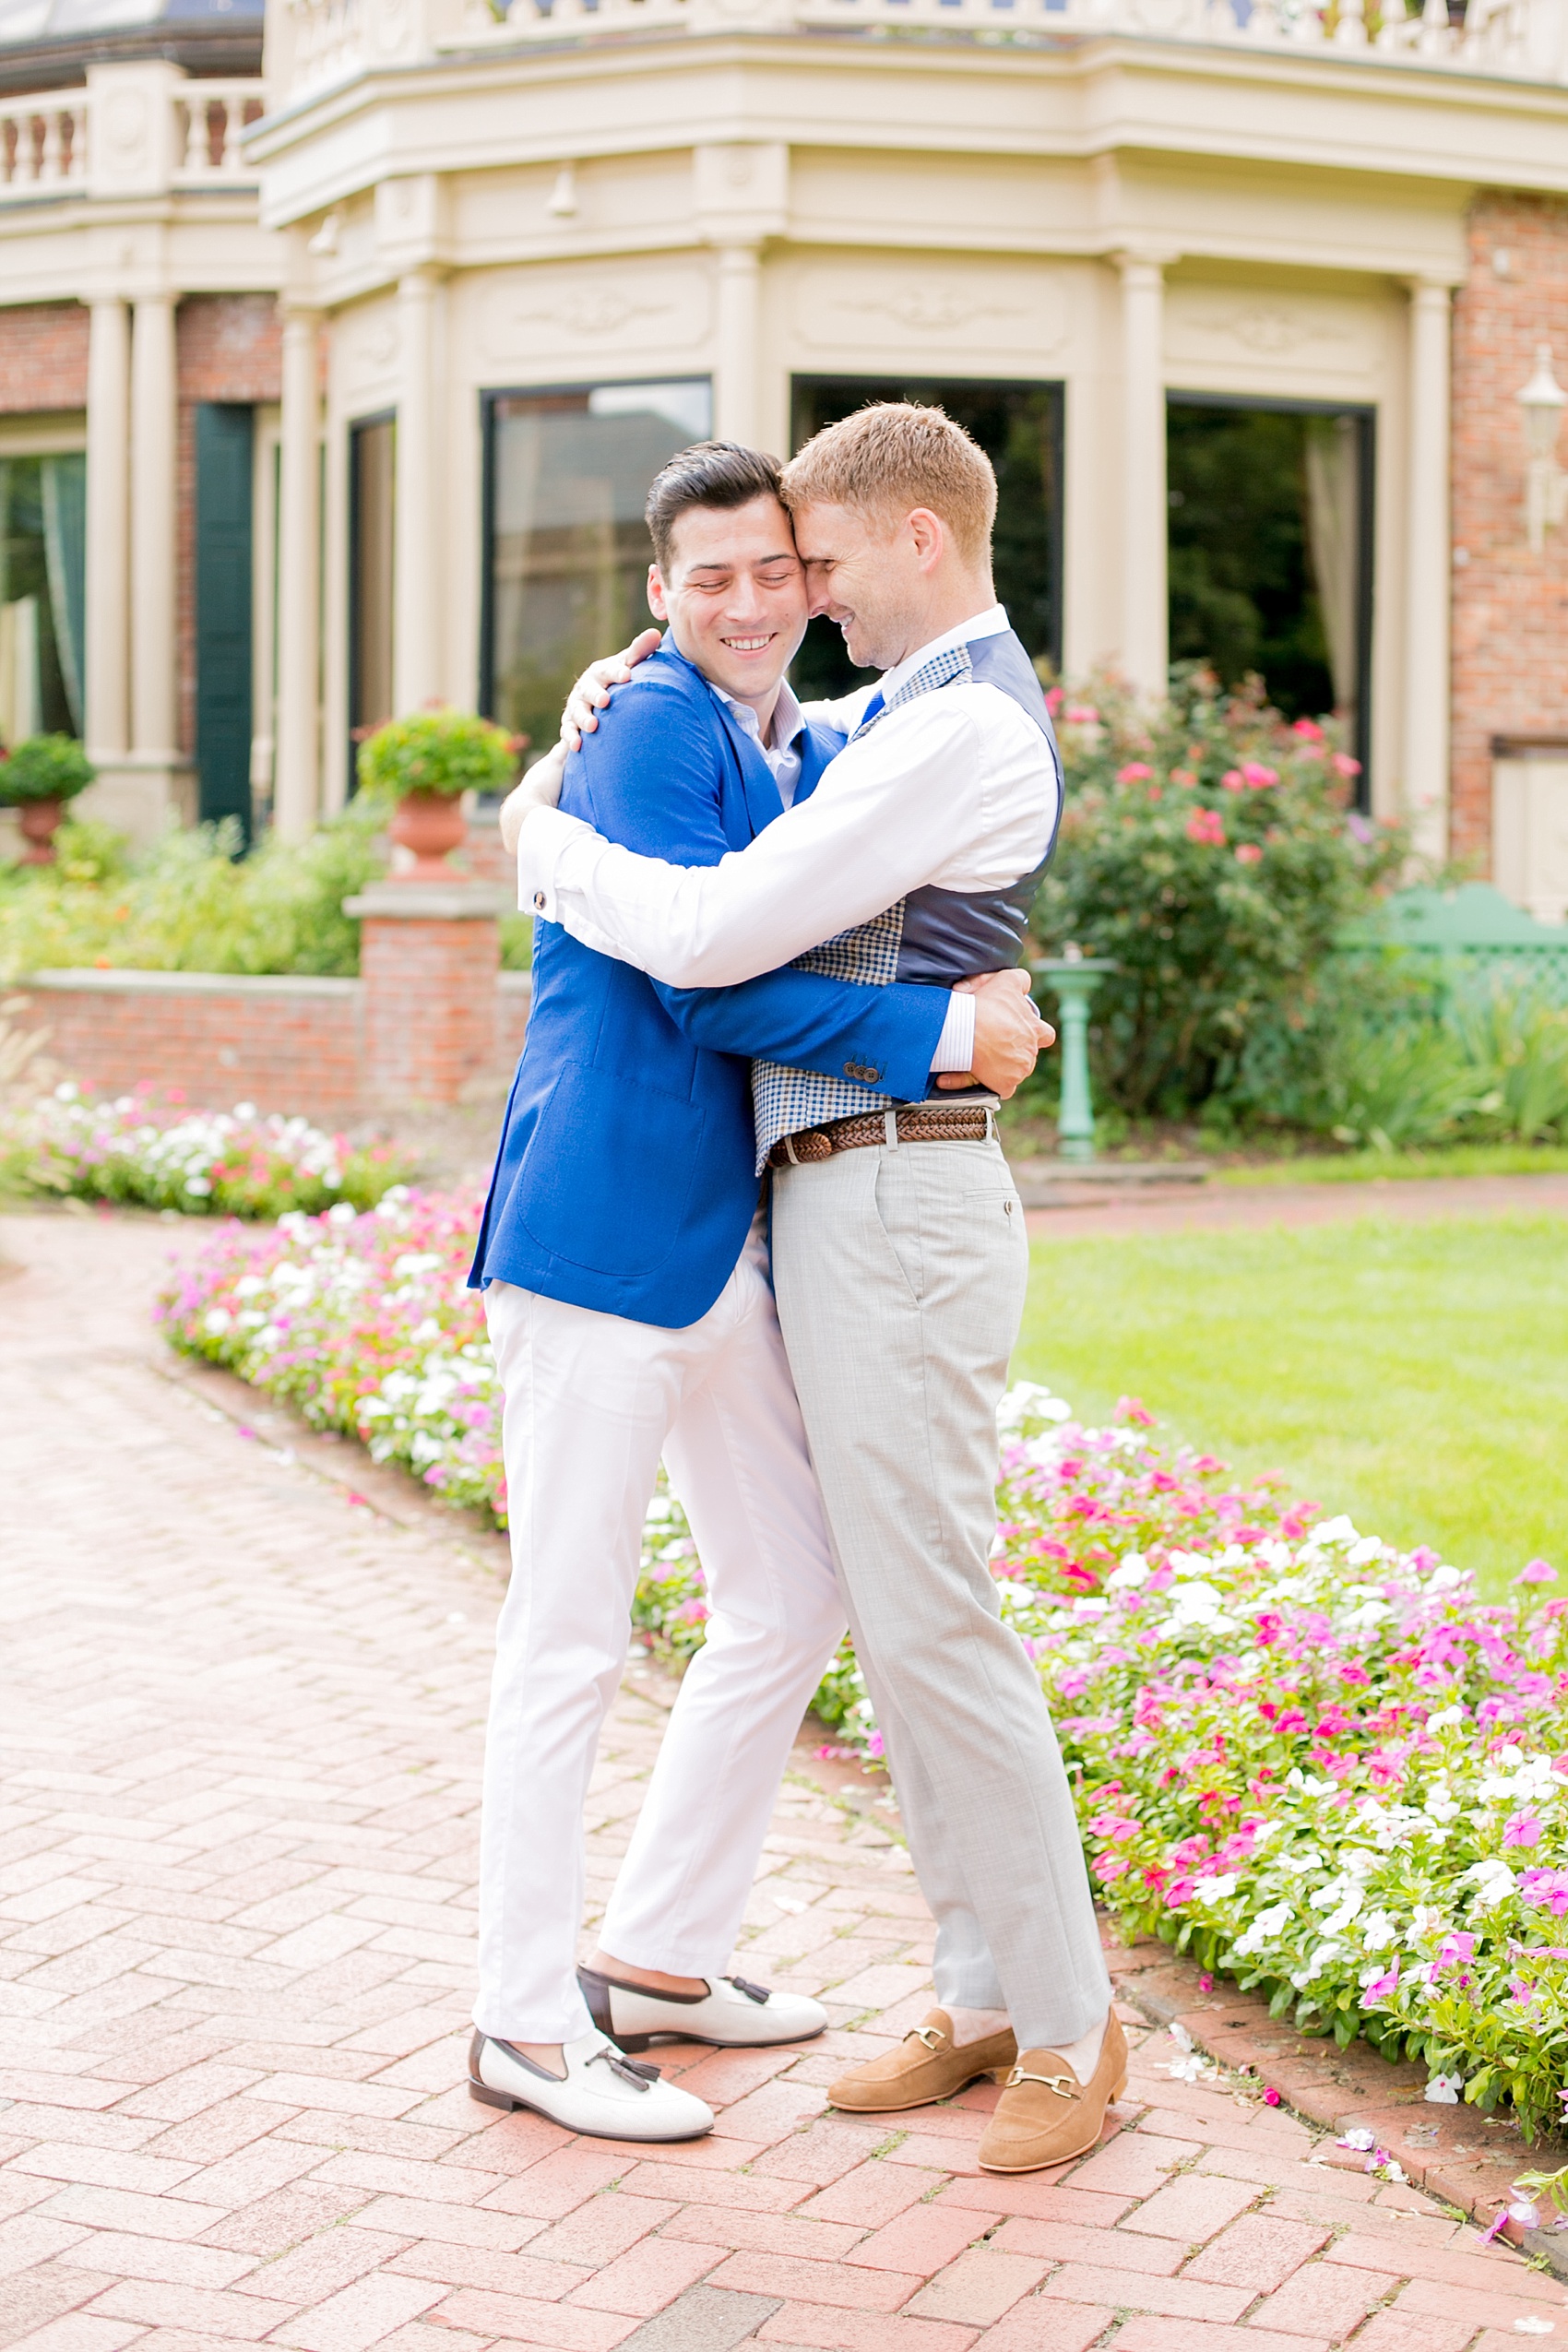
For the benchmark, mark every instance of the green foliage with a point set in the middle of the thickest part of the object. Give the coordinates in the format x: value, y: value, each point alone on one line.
x: 1206, y: 848
x: 445, y: 751
x: 191, y: 904
x: 44, y: 767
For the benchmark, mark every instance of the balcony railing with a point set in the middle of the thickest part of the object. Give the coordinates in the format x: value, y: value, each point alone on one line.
x: 50, y: 143
x: 1522, y: 38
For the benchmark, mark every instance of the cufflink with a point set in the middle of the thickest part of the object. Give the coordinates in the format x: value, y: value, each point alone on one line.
x: 539, y: 900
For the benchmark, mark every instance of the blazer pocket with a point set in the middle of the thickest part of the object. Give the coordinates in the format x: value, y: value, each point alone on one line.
x: 609, y: 1172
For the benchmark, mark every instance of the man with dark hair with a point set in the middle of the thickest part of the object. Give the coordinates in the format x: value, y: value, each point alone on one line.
x: 897, y: 1239
x: 628, y: 1303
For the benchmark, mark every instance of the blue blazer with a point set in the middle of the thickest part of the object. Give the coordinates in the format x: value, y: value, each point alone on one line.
x: 625, y: 1179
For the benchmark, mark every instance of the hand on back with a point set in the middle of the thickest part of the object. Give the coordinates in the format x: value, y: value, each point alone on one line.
x: 591, y: 693
x: 1009, y: 1034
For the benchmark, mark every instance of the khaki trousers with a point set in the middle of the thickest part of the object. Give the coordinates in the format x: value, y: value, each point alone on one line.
x: 900, y: 1276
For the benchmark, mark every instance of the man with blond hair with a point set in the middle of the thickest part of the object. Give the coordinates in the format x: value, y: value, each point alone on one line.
x: 899, y: 1252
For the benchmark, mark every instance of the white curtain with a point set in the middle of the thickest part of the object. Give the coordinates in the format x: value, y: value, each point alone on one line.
x: 1334, y: 536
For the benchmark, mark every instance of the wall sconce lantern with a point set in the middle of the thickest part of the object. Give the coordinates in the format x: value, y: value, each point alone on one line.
x: 1543, y: 401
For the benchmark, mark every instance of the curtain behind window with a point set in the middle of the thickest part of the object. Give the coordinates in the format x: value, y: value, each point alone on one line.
x: 65, y: 548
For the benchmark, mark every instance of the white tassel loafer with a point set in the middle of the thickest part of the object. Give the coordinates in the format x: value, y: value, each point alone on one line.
x: 732, y: 2014
x: 604, y: 2094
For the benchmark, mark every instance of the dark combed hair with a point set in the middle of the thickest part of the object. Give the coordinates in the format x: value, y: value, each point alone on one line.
x: 710, y: 473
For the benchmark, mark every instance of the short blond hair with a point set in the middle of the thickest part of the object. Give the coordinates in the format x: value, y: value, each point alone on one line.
x: 887, y: 459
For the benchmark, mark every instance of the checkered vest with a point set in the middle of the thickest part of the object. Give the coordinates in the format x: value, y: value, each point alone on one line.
x: 784, y: 1100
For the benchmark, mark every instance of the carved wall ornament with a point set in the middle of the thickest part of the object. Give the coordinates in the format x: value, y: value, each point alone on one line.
x: 835, y: 307
x: 663, y: 309
x: 1273, y: 330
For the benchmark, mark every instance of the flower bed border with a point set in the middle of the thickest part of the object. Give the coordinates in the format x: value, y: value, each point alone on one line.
x: 1341, y: 2090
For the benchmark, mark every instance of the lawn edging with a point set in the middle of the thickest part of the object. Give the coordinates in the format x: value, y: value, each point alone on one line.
x: 1341, y: 2090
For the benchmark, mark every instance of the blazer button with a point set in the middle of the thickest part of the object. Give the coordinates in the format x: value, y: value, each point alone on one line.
x: 539, y: 900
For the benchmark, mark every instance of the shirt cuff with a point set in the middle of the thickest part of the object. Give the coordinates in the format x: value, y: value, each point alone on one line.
x: 546, y: 837
x: 956, y: 1046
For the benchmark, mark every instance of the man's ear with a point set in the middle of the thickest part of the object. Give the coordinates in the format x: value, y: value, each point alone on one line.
x: 655, y: 600
x: 930, y: 536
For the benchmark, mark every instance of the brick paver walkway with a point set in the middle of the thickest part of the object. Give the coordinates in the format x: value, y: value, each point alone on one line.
x: 242, y: 1730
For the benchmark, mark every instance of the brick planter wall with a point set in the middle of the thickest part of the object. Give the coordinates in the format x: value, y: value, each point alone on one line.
x: 1510, y: 607
x: 292, y: 1045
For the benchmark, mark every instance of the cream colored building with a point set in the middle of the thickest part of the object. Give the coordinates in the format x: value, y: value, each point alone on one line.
x: 520, y: 261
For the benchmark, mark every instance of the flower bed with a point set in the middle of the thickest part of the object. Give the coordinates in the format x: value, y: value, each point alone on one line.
x: 149, y: 1151
x: 1315, y: 1761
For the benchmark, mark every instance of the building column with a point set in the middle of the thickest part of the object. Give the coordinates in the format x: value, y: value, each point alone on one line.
x: 106, y: 721
x: 154, y: 729
x: 737, y: 405
x: 1428, y: 565
x: 416, y: 668
x: 1145, y: 514
x: 295, y: 793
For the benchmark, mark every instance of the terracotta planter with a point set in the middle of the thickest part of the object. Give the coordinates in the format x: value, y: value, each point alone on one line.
x: 39, y: 822
x: 431, y: 825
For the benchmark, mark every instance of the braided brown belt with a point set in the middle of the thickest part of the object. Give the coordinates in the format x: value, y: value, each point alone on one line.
x: 920, y: 1123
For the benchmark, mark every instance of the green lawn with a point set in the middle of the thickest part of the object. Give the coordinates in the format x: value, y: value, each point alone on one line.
x: 1415, y: 1377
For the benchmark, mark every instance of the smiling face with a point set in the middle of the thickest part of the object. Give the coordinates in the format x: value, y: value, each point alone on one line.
x: 734, y: 596
x: 869, y: 576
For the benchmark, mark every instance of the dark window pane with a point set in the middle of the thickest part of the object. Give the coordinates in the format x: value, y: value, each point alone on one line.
x: 1270, y: 557
x: 1019, y: 427
x: 569, y: 473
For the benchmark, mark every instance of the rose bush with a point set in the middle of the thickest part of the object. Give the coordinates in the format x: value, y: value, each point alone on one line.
x: 147, y: 1149
x: 1317, y: 1763
x: 1206, y: 847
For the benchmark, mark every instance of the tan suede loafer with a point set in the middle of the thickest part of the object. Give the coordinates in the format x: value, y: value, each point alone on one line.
x: 1045, y: 2115
x: 926, y: 2066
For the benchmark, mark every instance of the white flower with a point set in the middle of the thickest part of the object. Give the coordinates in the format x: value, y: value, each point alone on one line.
x: 199, y: 1185
x: 1215, y: 1890
x: 1443, y: 2090
x: 216, y: 1320
x: 1134, y: 1570
x: 1363, y: 2141
x: 1339, y: 1530
x: 1492, y: 1879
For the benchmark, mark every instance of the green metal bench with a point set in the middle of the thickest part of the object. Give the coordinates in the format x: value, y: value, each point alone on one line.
x: 1468, y: 934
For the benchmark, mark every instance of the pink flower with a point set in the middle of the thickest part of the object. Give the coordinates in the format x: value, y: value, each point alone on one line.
x: 1184, y: 775
x: 1233, y: 780
x: 1259, y: 777
x: 1207, y: 826
x: 1055, y: 700
x: 1135, y: 772
x: 1206, y: 1982
x: 1081, y: 714
x: 1308, y: 730
x: 1248, y: 853
x: 1536, y: 1572
x: 1523, y: 1830
x: 1271, y: 2097
x: 1134, y: 1409
x: 1381, y: 1987
x: 1343, y: 764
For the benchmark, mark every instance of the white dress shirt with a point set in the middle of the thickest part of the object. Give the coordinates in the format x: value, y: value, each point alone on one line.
x: 955, y: 788
x: 782, y: 748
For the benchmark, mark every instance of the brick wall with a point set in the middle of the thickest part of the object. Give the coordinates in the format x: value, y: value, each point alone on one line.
x: 230, y: 348
x: 292, y: 1045
x: 42, y: 358
x: 1510, y: 607
x: 289, y: 1045
x: 430, y: 990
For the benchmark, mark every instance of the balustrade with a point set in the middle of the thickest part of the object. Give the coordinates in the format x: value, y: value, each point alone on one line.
x: 45, y: 140
x: 1515, y: 37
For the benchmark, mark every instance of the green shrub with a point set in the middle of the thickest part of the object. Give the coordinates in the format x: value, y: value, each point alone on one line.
x: 44, y: 767
x: 191, y: 904
x: 1207, y: 849
x: 446, y: 752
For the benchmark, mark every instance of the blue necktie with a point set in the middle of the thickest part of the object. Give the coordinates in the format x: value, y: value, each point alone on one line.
x: 874, y: 709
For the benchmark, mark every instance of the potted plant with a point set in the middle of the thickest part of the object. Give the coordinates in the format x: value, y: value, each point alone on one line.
x: 425, y: 763
x: 37, y: 779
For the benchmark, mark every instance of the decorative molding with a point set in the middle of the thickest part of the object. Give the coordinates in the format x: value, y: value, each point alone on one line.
x: 631, y: 309
x: 911, y: 308
x: 1274, y: 330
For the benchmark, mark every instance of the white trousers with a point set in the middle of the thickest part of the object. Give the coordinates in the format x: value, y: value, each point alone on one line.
x: 590, y: 1403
